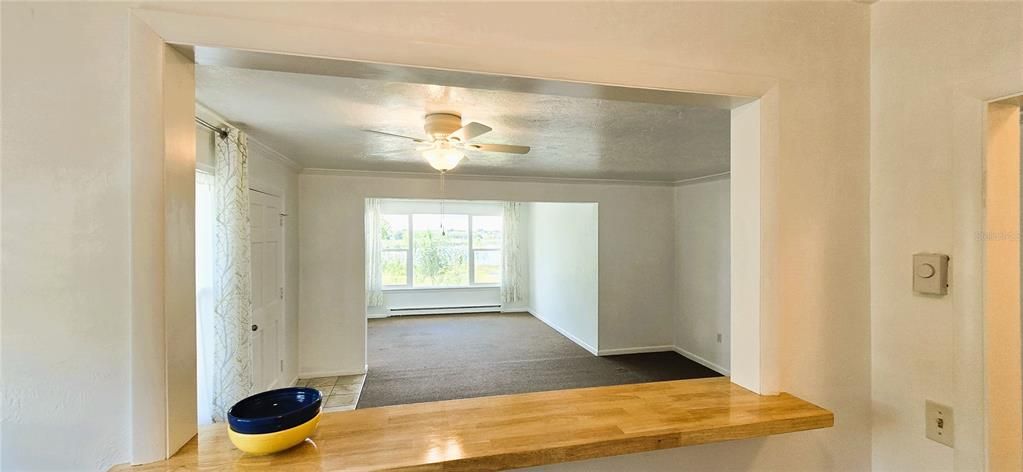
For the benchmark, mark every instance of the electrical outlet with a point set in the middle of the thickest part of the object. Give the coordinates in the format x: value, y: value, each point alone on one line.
x: 719, y: 338
x: 940, y: 423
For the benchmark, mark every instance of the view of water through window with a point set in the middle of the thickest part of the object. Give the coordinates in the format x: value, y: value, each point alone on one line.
x: 435, y: 250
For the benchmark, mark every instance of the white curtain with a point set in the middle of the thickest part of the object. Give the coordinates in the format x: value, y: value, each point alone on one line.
x: 205, y: 293
x: 374, y: 270
x: 232, y: 355
x: 513, y: 261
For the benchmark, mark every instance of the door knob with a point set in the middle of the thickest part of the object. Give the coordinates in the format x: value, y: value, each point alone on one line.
x: 255, y: 327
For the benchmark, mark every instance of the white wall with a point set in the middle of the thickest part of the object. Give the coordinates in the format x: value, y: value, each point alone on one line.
x: 817, y: 219
x: 926, y: 173
x: 563, y: 269
x: 271, y: 172
x: 333, y: 287
x: 702, y: 241
x: 205, y: 154
x: 66, y: 214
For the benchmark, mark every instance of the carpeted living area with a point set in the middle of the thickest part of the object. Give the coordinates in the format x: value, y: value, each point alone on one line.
x: 425, y: 358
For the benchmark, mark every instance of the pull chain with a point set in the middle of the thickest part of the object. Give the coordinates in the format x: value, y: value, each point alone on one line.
x: 442, y: 196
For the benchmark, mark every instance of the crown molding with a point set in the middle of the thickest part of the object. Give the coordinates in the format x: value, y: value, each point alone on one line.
x: 705, y: 178
x: 273, y: 154
x: 484, y: 178
x: 214, y: 118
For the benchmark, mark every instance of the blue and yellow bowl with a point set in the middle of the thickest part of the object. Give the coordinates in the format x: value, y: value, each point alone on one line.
x: 269, y: 443
x: 275, y: 420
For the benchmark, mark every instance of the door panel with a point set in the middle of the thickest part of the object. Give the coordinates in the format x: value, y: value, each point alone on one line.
x: 267, y: 282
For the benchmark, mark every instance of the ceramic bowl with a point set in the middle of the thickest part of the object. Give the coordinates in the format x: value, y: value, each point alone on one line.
x: 269, y: 443
x: 274, y: 410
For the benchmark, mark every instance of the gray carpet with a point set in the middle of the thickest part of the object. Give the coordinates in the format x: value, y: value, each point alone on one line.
x: 415, y: 359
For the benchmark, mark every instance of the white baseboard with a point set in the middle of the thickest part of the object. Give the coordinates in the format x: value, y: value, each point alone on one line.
x: 564, y: 333
x: 514, y: 309
x: 332, y: 373
x: 637, y: 350
x: 704, y: 362
x: 439, y: 311
x: 293, y: 381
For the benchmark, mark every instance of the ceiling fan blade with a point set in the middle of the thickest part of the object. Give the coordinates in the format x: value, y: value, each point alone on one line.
x: 469, y: 131
x: 500, y: 148
x: 418, y: 140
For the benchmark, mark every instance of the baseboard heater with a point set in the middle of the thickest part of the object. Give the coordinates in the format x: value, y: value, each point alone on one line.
x: 446, y: 309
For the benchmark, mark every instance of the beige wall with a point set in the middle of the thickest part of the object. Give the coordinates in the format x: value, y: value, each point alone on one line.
x: 179, y: 254
x: 926, y: 155
x: 66, y: 213
x: 1002, y: 360
x: 816, y: 52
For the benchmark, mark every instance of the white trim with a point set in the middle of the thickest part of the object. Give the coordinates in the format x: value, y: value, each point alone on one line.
x: 208, y: 114
x: 564, y: 333
x: 293, y: 382
x: 636, y: 350
x: 405, y: 289
x: 706, y: 178
x: 439, y: 311
x: 515, y: 308
x: 704, y: 362
x: 332, y: 373
x: 485, y: 178
x: 204, y: 168
x: 276, y: 155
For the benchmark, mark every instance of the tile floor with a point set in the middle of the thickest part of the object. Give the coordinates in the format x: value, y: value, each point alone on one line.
x: 339, y: 393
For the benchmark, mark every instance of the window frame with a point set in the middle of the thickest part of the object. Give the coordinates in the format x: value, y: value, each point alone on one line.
x: 410, y: 256
x: 472, y: 252
x: 407, y: 251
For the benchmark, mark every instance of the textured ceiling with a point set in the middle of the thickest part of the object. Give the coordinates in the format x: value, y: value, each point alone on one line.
x: 318, y: 121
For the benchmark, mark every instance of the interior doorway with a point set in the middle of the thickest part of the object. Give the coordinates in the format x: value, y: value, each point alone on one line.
x: 1003, y: 356
x: 754, y: 107
x: 267, y: 224
x: 265, y: 278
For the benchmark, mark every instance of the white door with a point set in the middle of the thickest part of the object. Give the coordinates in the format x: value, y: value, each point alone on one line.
x: 267, y: 289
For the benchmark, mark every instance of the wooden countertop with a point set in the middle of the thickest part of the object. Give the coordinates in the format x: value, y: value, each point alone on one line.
x: 510, y: 431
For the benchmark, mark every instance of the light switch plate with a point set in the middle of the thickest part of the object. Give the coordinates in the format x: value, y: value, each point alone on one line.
x: 940, y: 423
x: 930, y: 274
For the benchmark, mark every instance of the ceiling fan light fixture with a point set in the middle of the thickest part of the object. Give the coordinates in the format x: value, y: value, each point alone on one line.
x: 443, y: 156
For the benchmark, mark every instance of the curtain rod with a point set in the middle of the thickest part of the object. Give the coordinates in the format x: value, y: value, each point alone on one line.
x: 220, y: 132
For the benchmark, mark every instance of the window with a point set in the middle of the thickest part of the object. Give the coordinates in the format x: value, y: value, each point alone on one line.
x: 486, y: 249
x: 394, y: 231
x: 441, y: 250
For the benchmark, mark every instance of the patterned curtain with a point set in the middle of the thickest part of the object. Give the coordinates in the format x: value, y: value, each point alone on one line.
x: 513, y: 257
x: 232, y: 357
x: 374, y: 262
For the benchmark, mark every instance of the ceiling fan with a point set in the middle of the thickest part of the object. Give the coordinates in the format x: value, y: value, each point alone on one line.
x: 448, y: 139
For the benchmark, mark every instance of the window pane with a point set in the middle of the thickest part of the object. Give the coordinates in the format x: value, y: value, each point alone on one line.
x: 394, y: 231
x: 441, y: 250
x: 395, y: 267
x: 488, y: 266
x: 486, y: 232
